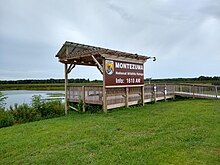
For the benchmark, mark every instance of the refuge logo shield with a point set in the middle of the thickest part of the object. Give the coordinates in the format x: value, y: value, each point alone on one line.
x: 109, y: 67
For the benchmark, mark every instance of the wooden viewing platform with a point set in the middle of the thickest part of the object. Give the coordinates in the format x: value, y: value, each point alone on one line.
x: 126, y: 96
x: 120, y: 70
x: 123, y: 79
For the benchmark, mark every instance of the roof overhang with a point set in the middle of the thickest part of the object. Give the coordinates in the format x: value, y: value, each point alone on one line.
x: 80, y: 54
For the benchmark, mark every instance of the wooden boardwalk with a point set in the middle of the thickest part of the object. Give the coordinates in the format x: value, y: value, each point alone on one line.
x: 197, y: 95
x: 127, y: 96
x: 197, y: 91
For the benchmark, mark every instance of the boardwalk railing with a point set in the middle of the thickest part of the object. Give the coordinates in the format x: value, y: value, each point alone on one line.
x: 126, y: 96
x: 89, y: 94
x: 197, y: 91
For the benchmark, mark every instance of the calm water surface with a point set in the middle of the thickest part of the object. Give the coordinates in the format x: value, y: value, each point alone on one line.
x: 25, y: 96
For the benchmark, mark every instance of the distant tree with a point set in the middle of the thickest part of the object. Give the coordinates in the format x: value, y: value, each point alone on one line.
x: 216, y: 78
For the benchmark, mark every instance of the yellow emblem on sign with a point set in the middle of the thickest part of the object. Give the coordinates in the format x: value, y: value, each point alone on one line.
x: 109, y: 67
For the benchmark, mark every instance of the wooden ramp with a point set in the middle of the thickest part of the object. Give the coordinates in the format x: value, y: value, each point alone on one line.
x: 196, y: 95
x: 197, y: 91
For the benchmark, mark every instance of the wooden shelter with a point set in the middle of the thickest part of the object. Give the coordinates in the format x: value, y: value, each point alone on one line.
x: 72, y: 54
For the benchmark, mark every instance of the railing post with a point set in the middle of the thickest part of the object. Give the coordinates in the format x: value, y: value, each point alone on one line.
x: 142, y: 95
x: 126, y: 96
x: 181, y: 88
x: 174, y: 91
x: 104, y: 104
x: 165, y: 92
x: 155, y: 93
x: 216, y: 91
x: 104, y: 94
x: 83, y: 99
x: 69, y: 92
x: 193, y: 90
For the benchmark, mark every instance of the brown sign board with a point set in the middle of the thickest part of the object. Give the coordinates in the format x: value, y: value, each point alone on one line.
x: 120, y: 73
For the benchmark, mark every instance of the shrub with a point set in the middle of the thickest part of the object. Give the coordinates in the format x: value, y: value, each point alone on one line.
x: 38, y: 102
x: 53, y: 108
x: 6, y: 119
x: 49, y: 108
x: 24, y: 113
x: 39, y: 109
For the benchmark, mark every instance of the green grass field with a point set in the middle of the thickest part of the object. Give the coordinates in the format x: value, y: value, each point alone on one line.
x: 175, y: 132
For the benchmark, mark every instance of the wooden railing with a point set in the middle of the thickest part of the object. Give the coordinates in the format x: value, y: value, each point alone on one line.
x: 197, y: 90
x: 91, y: 94
x: 126, y: 96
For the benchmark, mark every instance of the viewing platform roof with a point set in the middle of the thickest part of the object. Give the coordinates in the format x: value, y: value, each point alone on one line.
x: 81, y: 54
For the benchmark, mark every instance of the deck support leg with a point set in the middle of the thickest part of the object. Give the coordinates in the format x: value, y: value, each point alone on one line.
x: 165, y: 93
x: 104, y: 97
x: 193, y: 90
x: 104, y: 101
x: 155, y: 93
x: 66, y: 82
x: 83, y: 99
x: 174, y: 91
x: 142, y: 95
x: 126, y: 97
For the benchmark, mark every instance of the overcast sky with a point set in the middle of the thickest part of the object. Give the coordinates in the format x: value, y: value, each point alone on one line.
x: 184, y: 35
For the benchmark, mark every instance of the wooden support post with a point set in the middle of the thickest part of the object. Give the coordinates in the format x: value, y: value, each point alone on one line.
x: 174, y: 91
x: 216, y: 92
x: 152, y: 92
x: 165, y: 92
x: 142, y: 95
x: 83, y: 99
x: 193, y: 90
x: 66, y: 83
x: 155, y: 93
x: 104, y: 98
x: 126, y: 96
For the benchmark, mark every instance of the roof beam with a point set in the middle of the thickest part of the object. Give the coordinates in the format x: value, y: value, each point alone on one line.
x: 85, y: 53
x: 123, y: 58
x: 70, y: 68
x: 77, y: 63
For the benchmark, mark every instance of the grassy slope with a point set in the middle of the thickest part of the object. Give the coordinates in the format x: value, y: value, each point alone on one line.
x: 183, y: 132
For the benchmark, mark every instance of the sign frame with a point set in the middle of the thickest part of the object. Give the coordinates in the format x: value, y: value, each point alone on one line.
x: 119, y: 73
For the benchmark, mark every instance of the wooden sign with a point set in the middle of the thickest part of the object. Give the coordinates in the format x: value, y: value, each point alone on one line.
x: 120, y: 73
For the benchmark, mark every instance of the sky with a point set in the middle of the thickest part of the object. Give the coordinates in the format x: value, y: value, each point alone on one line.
x: 183, y: 35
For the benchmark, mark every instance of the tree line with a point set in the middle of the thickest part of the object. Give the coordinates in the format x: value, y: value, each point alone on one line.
x: 215, y: 79
x: 48, y: 81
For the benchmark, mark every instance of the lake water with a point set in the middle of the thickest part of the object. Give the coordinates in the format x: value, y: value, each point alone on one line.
x: 25, y: 96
